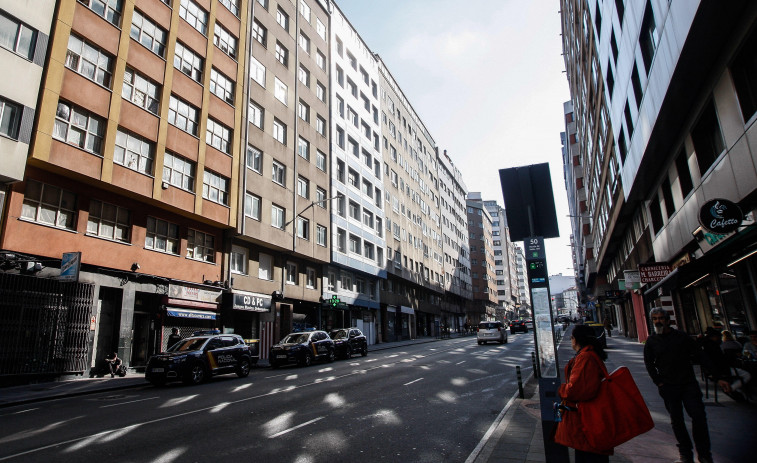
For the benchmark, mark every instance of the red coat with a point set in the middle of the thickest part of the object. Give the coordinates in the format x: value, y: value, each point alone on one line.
x: 583, y: 376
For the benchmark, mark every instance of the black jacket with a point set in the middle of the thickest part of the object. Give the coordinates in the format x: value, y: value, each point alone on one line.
x: 668, y: 357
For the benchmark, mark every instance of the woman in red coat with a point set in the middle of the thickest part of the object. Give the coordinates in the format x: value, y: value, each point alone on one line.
x: 583, y: 375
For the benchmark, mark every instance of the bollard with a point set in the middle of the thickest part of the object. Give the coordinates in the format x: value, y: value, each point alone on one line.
x: 533, y: 363
x: 521, y: 394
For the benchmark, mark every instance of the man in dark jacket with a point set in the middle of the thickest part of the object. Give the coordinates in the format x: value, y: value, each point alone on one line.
x: 668, y: 355
x: 173, y: 338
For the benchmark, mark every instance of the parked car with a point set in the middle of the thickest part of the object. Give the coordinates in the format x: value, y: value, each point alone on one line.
x: 195, y: 359
x: 529, y: 324
x: 491, y: 331
x: 302, y: 348
x: 518, y: 325
x: 348, y: 341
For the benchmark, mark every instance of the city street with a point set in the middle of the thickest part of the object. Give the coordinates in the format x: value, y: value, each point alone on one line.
x: 422, y: 403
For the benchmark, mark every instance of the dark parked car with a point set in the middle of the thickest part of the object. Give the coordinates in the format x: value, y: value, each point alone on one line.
x: 348, y: 341
x: 302, y: 349
x: 518, y: 325
x: 196, y: 358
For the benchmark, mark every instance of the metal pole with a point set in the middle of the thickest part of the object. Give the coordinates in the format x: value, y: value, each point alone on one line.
x: 521, y: 394
x: 533, y: 363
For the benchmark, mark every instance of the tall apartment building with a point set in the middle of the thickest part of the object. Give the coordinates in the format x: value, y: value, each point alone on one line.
x: 524, y: 291
x: 677, y: 79
x: 504, y: 261
x: 483, y: 278
x: 358, y: 243
x: 457, y: 276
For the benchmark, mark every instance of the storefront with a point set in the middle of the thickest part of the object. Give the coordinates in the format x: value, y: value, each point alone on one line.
x: 189, y: 308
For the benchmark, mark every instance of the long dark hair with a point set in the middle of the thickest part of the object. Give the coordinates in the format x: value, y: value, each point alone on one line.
x: 586, y: 336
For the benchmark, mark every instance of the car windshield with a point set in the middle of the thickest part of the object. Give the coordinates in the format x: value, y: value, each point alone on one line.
x: 187, y: 345
x: 297, y: 338
x: 487, y: 326
x: 338, y: 334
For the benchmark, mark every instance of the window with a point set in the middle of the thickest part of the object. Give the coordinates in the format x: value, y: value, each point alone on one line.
x: 280, y: 91
x: 339, y: 47
x: 200, y: 246
x: 256, y: 115
x: 109, y: 9
x: 282, y: 18
x: 141, y: 91
x: 320, y: 60
x: 304, y: 76
x: 303, y: 187
x: 355, y: 210
x: 320, y: 91
x: 162, y: 236
x: 218, y: 136
x: 744, y: 73
x: 667, y: 196
x: 340, y: 137
x: 252, y: 206
x: 353, y: 178
x: 320, y: 160
x: 311, y: 278
x: 368, y: 251
x: 351, y: 87
x: 188, y: 62
x: 340, y: 202
x: 277, y: 216
x: 303, y: 148
x: 259, y: 32
x: 340, y: 106
x: 225, y: 42
x: 303, y: 228
x: 291, y: 275
x: 636, y: 82
x: 279, y: 131
x: 320, y: 235
x: 73, y: 125
x: 656, y: 213
x: 221, y: 86
x: 182, y: 115
x: 10, y: 118
x: 50, y: 205
x: 320, y: 126
x: 215, y: 188
x: 707, y: 138
x: 279, y: 173
x: 194, y: 15
x: 265, y: 267
x: 133, y: 152
x: 355, y: 245
x: 339, y: 76
x: 304, y: 41
x: 320, y: 28
x: 620, y: 8
x: 254, y: 159
x: 684, y: 173
x: 17, y: 37
x: 257, y: 71
x: 108, y: 221
x: 178, y: 171
x: 341, y: 241
x: 238, y: 260
x: 629, y: 118
x: 649, y: 37
x: 340, y: 170
x: 352, y: 60
x: 89, y: 61
x: 282, y: 54
x: 320, y: 197
x: 149, y: 34
x: 368, y: 218
x: 305, y: 10
x: 233, y: 6
x: 303, y: 110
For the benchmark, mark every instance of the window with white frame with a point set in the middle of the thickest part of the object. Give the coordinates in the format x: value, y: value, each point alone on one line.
x: 215, y: 188
x: 278, y: 173
x: 10, y: 118
x: 304, y: 76
x: 49, y: 205
x: 304, y: 41
x: 265, y: 267
x: 257, y: 71
x: 355, y: 245
x: 311, y: 278
x: 277, y: 216
x: 188, y: 62
x: 340, y: 137
x: 191, y: 12
x: 108, y: 221
x: 320, y: 235
x: 341, y: 241
x: 200, y: 246
x: 141, y: 91
x: 88, y: 60
x: 305, y: 10
x: 162, y: 236
x: 148, y: 33
x: 353, y: 178
x: 179, y: 171
x: 368, y: 218
x: 303, y: 110
x: 280, y: 91
x: 279, y: 131
x: 256, y: 115
x: 218, y: 136
x: 221, y: 86
x: 352, y: 60
x: 238, y: 260
x: 291, y: 274
x: 320, y: 160
x: 183, y: 115
x: 368, y: 251
x: 252, y: 206
x: 303, y: 228
x: 303, y: 187
x: 339, y: 76
x: 331, y: 281
x: 254, y: 159
x: 320, y: 197
x: 259, y: 32
x: 320, y: 91
x: 354, y: 210
x: 320, y: 60
x: 282, y: 18
x: 73, y: 125
x: 303, y: 148
x: 109, y: 9
x: 282, y: 54
x: 225, y: 42
x: 320, y: 28
x: 339, y: 106
x: 133, y: 152
x: 233, y: 5
x: 320, y: 125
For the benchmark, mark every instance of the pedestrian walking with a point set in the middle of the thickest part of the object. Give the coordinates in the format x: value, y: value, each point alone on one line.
x: 174, y: 337
x: 608, y: 326
x: 668, y: 355
x: 583, y: 375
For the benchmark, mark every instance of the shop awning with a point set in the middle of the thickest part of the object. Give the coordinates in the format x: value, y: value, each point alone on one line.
x: 196, y: 314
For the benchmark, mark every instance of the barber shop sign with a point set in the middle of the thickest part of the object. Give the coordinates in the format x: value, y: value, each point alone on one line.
x: 720, y: 216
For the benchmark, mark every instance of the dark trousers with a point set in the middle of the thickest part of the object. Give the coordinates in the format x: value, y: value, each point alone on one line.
x: 588, y: 457
x: 687, y: 396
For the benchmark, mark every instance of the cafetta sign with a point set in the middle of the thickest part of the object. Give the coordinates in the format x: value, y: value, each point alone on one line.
x: 720, y: 216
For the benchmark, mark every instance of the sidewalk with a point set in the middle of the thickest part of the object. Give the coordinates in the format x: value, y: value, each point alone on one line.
x: 518, y: 436
x: 30, y: 393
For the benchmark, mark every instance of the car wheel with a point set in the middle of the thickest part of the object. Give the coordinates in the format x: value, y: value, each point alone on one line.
x: 479, y: 343
x: 307, y: 360
x: 332, y: 356
x: 243, y: 369
x: 364, y: 352
x: 196, y: 375
x: 348, y: 353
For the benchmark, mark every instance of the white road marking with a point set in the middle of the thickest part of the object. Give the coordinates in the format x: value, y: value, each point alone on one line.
x: 414, y: 381
x: 458, y: 363
x: 281, y: 433
x: 129, y: 402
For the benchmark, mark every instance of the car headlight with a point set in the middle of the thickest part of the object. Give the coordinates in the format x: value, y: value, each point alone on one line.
x: 178, y: 359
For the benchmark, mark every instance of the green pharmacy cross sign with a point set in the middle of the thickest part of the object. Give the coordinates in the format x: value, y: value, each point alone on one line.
x: 334, y: 301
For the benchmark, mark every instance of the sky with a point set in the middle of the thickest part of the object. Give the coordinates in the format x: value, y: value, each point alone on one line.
x: 487, y: 79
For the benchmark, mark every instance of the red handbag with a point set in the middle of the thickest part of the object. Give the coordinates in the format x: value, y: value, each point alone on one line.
x: 617, y: 414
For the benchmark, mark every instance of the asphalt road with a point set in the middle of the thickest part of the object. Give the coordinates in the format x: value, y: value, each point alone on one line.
x: 428, y: 402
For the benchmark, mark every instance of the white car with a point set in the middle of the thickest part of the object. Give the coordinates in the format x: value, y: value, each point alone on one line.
x: 491, y: 331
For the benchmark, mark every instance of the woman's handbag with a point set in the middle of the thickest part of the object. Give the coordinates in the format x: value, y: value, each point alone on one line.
x: 617, y: 414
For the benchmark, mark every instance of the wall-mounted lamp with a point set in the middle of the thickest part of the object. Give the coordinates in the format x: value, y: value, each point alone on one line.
x: 164, y: 185
x: 135, y: 266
